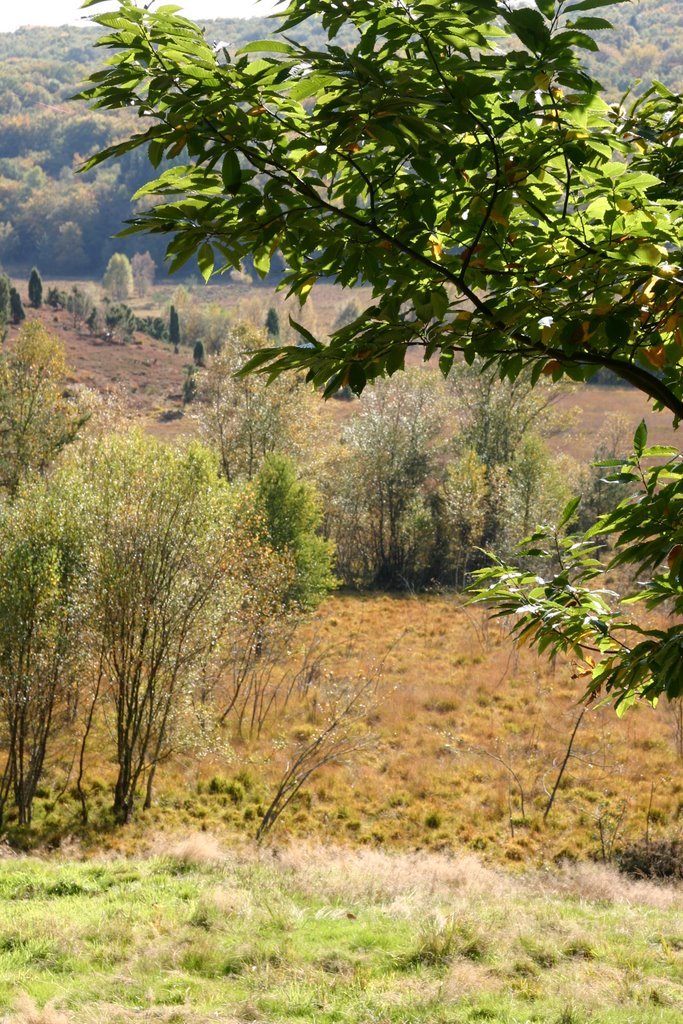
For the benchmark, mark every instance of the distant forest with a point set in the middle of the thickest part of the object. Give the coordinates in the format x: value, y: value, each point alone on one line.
x: 63, y: 222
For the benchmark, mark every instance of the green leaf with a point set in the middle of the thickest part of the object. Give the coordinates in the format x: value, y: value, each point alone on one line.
x: 640, y: 438
x: 310, y: 85
x: 592, y: 24
x: 617, y: 328
x: 568, y: 511
x: 660, y: 451
x: 305, y: 334
x: 439, y: 301
x: 258, y: 360
x: 446, y: 363
x: 546, y: 7
x: 624, y: 703
x: 155, y: 152
x: 231, y: 172
x: 590, y: 5
x: 113, y: 20
x: 266, y: 46
x: 205, y: 259
x: 262, y: 262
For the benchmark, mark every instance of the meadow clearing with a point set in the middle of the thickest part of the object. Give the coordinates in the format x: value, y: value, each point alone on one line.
x: 193, y: 934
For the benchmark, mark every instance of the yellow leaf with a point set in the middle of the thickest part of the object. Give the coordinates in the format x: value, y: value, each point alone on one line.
x: 655, y: 356
x: 552, y: 366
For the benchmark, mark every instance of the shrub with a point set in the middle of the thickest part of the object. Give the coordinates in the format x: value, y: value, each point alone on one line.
x: 662, y: 858
x: 57, y: 298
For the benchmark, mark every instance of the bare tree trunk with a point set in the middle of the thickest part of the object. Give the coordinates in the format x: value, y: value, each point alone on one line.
x: 558, y: 780
x: 84, y: 742
x: 149, y: 789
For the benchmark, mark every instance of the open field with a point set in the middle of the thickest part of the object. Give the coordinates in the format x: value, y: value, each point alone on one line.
x: 469, y: 736
x: 331, y: 936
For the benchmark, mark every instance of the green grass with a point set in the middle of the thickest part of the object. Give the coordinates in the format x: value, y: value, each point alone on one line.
x: 333, y: 938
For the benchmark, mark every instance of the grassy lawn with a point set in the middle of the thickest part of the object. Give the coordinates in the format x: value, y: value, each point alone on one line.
x: 192, y: 935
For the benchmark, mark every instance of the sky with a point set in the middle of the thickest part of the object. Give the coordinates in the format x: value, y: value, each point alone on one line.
x: 67, y: 12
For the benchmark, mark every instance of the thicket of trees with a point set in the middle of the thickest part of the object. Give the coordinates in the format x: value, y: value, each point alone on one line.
x: 429, y: 476
x: 129, y: 571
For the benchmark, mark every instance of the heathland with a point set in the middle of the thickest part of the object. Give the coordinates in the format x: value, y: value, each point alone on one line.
x: 446, y: 832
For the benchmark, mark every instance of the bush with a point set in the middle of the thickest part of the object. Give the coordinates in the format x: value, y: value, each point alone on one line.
x: 292, y: 514
x: 224, y: 787
x: 153, y: 326
x: 57, y: 298
x: 646, y: 859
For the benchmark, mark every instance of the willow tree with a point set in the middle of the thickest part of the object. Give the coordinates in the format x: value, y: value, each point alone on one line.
x: 42, y: 625
x: 37, y: 418
x: 459, y: 159
x: 163, y: 583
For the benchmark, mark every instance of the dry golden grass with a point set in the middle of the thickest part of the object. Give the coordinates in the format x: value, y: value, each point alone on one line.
x: 587, y: 880
x: 470, y: 733
x: 195, y: 850
x: 27, y: 1012
x: 459, y: 710
x: 400, y: 882
x: 463, y: 719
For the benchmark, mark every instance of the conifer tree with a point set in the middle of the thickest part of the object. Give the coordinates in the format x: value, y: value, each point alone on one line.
x: 273, y: 323
x: 198, y: 354
x: 35, y: 289
x: 5, y: 308
x: 16, y: 306
x: 174, y: 327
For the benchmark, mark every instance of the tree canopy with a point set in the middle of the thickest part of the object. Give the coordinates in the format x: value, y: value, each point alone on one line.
x: 461, y: 160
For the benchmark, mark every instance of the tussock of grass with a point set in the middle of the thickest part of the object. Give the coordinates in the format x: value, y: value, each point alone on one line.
x: 402, y: 883
x: 27, y: 1012
x: 600, y: 882
x: 199, y: 849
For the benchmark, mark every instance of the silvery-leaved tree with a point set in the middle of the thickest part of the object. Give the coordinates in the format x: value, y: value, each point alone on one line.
x: 459, y: 159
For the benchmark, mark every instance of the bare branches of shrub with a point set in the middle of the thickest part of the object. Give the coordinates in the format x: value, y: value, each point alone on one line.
x: 342, y: 709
